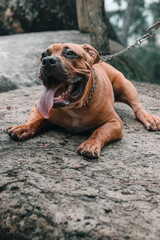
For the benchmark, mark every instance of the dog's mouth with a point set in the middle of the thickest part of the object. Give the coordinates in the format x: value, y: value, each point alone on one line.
x: 60, y: 94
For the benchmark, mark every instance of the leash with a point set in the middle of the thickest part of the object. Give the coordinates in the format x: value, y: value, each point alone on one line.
x: 149, y: 33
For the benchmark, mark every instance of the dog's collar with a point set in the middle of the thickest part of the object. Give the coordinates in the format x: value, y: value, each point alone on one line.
x: 91, y: 93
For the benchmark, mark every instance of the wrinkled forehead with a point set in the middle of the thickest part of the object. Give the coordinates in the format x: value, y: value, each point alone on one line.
x: 60, y: 47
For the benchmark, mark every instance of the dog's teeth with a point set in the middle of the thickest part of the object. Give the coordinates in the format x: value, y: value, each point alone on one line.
x: 70, y: 88
x: 67, y: 102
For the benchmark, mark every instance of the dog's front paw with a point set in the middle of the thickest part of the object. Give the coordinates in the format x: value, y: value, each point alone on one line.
x: 89, y: 149
x: 152, y: 123
x: 21, y: 132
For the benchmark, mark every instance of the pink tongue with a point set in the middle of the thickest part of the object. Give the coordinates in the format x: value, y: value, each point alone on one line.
x: 46, y: 102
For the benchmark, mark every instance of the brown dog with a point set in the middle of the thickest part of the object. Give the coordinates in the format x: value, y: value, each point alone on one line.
x: 79, y: 96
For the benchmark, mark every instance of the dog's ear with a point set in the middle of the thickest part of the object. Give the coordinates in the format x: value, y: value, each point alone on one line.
x: 92, y: 52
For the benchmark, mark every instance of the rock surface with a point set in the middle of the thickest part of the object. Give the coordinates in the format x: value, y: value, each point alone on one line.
x: 20, y: 57
x: 31, y: 15
x: 49, y: 192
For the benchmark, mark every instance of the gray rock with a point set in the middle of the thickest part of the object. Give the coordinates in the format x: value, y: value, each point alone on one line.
x: 20, y: 56
x: 49, y: 192
x: 31, y: 15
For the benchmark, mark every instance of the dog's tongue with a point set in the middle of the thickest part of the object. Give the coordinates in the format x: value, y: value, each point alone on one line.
x: 46, y: 101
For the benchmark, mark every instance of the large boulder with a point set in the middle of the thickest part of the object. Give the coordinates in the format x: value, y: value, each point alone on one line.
x: 49, y: 192
x: 20, y: 57
x: 32, y: 15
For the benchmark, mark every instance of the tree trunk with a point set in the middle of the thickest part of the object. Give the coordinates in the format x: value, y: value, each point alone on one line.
x: 82, y: 15
x: 83, y: 21
x: 98, y: 26
x: 127, y: 21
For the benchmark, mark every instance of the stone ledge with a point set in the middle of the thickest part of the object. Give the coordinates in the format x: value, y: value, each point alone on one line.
x: 48, y: 192
x: 21, y: 57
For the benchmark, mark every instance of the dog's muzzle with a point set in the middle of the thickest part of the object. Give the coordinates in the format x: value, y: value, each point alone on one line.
x: 49, y: 62
x: 60, y: 89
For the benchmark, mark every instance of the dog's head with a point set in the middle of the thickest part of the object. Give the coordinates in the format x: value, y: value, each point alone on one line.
x: 65, y: 71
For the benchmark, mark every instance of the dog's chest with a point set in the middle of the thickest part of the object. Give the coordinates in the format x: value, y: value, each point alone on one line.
x: 73, y: 122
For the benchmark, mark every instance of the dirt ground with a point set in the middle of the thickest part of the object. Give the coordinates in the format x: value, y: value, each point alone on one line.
x: 48, y: 191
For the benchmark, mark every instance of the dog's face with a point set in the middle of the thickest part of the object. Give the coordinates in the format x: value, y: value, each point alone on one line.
x: 65, y: 69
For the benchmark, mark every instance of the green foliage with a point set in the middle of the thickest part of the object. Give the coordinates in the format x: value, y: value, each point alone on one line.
x: 139, y: 17
x: 139, y: 23
x: 119, y: 2
x: 149, y: 56
x: 140, y: 64
x: 155, y: 9
x: 130, y: 67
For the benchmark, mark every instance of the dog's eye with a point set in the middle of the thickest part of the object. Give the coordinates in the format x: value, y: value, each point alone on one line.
x: 44, y: 54
x: 71, y: 54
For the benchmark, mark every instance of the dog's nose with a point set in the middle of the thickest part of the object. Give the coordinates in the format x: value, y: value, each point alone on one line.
x: 49, y: 61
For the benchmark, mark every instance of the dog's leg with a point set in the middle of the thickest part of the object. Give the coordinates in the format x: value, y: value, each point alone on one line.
x: 28, y: 130
x: 108, y: 132
x: 126, y: 92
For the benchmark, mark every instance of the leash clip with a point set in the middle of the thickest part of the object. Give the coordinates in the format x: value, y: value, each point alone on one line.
x: 154, y: 26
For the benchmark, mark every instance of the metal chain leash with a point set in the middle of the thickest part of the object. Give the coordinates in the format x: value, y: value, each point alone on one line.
x: 149, y: 33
